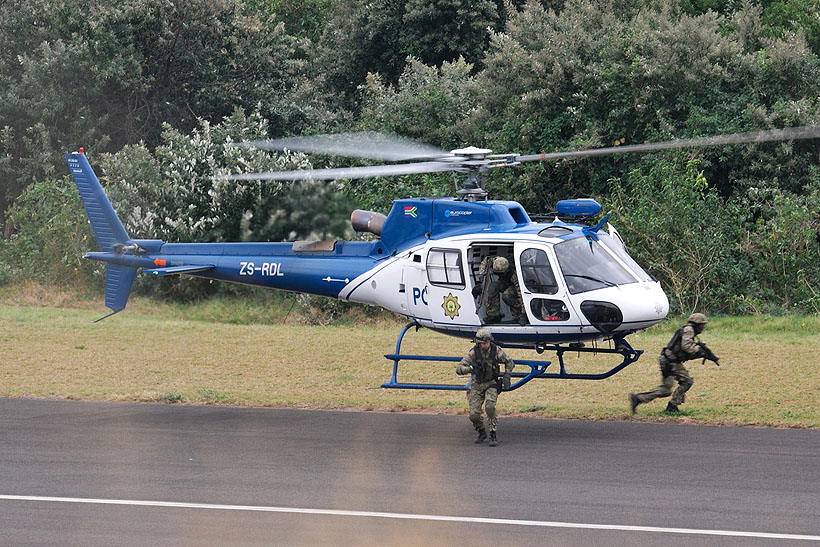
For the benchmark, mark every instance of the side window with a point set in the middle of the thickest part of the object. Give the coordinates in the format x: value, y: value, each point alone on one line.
x: 444, y: 268
x: 537, y: 272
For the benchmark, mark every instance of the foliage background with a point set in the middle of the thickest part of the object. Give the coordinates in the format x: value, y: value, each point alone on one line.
x: 154, y: 89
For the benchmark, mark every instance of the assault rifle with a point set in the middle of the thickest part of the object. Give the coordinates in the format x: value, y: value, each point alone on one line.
x: 707, y: 354
x: 482, y: 288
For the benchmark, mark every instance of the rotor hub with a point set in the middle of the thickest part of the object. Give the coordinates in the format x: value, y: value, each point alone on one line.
x: 471, y: 152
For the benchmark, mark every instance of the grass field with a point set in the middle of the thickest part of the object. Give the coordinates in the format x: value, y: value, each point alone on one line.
x: 770, y: 373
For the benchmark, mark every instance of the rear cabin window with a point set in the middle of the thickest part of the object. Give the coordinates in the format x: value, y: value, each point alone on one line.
x: 444, y: 268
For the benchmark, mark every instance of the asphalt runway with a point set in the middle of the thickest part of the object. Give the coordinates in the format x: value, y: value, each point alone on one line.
x: 80, y: 473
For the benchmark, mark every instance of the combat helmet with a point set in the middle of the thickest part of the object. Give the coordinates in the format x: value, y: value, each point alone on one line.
x: 500, y: 264
x: 484, y: 335
x: 698, y: 319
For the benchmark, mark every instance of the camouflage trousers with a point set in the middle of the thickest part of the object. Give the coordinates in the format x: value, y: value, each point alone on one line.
x: 484, y: 393
x: 671, y: 371
x: 511, y: 298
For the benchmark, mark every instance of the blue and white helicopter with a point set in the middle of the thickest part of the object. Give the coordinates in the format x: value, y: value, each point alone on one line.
x: 578, y: 284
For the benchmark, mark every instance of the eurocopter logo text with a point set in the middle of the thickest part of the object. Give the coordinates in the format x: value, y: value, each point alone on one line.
x: 448, y: 213
x: 410, y: 212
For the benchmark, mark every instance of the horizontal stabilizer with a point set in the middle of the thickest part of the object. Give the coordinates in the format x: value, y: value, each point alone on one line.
x: 171, y: 270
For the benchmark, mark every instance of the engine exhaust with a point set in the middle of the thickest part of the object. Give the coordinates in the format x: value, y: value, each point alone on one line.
x: 367, y: 221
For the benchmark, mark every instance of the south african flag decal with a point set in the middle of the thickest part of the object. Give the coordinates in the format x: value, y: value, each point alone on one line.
x: 410, y: 212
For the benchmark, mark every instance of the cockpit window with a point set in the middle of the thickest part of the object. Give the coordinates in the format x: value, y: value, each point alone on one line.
x: 617, y: 247
x: 587, y: 266
x: 537, y: 272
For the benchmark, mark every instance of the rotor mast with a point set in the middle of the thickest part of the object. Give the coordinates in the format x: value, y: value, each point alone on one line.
x: 474, y: 161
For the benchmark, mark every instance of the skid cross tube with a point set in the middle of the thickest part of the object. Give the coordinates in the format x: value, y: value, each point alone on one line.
x: 538, y: 369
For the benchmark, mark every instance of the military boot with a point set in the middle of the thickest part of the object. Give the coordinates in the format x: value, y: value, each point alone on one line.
x: 672, y: 409
x: 493, y: 439
x: 634, y: 401
x: 482, y: 436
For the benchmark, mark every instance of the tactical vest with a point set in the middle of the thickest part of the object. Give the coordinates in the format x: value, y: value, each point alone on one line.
x: 673, y: 350
x: 486, y: 366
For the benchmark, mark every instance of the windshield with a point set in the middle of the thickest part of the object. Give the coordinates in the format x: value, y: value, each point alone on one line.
x: 616, y: 247
x: 587, y: 266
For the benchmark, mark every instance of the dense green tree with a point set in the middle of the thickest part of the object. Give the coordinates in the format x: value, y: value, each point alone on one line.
x: 706, y: 250
x: 155, y: 83
x: 428, y: 103
x: 359, y: 38
x: 377, y: 37
x: 104, y: 75
x: 443, y: 30
x: 602, y: 74
x: 302, y: 18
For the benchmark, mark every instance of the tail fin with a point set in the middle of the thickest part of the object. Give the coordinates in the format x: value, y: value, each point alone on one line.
x: 108, y: 229
x: 104, y: 221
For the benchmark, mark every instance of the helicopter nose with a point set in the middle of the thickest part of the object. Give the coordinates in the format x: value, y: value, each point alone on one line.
x: 634, y: 305
x: 648, y: 305
x: 661, y: 302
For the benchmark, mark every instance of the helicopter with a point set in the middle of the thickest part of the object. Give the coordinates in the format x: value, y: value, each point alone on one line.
x: 427, y: 259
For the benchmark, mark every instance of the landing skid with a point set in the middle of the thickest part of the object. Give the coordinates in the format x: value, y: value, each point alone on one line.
x: 538, y: 369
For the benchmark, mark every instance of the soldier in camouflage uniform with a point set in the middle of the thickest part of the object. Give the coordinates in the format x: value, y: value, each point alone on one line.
x: 482, y: 361
x: 505, y: 285
x: 682, y: 347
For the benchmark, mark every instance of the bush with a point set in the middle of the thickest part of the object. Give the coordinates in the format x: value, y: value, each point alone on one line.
x: 52, y: 236
x: 682, y: 232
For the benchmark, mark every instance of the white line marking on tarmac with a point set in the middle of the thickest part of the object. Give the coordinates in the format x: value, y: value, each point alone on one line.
x: 410, y: 516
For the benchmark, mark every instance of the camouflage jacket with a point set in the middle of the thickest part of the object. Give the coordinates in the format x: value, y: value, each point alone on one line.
x: 485, y: 364
x: 683, y: 346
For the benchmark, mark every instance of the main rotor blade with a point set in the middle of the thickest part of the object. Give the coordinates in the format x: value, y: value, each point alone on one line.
x: 790, y: 133
x: 371, y: 145
x: 346, y: 172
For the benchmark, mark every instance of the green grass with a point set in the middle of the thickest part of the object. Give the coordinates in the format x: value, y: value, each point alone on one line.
x: 769, y: 373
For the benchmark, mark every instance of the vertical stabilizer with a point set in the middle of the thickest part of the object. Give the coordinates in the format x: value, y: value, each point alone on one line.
x: 107, y: 227
x: 108, y: 230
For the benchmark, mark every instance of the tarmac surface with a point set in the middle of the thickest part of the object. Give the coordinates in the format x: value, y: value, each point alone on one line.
x: 93, y: 473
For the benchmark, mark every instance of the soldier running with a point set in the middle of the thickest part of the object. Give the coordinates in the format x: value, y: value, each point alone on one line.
x: 682, y: 347
x: 482, y: 361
